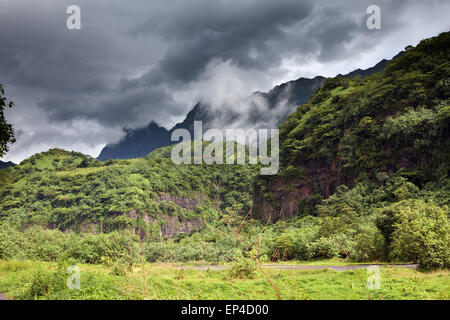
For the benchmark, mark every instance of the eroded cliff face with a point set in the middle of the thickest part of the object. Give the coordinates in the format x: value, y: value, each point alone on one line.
x: 166, y: 225
x: 172, y: 226
x: 183, y: 202
x: 282, y: 195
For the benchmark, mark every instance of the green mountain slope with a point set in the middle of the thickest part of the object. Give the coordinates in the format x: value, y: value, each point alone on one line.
x: 394, y: 123
x: 67, y: 190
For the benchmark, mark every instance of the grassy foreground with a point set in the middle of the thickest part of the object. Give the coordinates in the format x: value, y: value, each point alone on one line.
x: 43, y: 280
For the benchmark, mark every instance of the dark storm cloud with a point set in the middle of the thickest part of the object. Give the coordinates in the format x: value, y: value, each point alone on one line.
x: 37, y: 52
x: 137, y: 61
x: 255, y: 35
x: 121, y: 107
x: 202, y: 30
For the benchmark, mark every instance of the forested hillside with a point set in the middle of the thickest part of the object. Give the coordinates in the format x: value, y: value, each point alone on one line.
x: 68, y: 190
x: 372, y: 155
x: 391, y: 125
x: 364, y: 176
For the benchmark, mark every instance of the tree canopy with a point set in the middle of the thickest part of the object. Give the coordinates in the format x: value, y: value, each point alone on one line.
x: 6, y: 129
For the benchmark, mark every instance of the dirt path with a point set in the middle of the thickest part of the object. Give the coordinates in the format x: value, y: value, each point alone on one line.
x: 306, y: 267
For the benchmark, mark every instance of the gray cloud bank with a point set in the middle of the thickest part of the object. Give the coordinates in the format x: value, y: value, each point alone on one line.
x: 137, y: 61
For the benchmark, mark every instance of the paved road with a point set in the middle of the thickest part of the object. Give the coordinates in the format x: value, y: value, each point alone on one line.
x: 3, y: 297
x: 306, y: 267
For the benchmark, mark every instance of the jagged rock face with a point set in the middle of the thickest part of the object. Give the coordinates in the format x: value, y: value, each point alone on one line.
x: 183, y: 202
x: 169, y: 226
x: 173, y: 226
x: 282, y: 202
x: 136, y: 143
x: 140, y: 142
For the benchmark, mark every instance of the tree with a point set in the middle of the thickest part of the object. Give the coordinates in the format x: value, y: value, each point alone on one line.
x: 418, y: 231
x: 6, y: 129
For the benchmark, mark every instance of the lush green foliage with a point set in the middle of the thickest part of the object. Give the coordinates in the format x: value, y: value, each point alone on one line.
x: 395, y: 121
x: 41, y: 244
x: 32, y: 280
x: 417, y: 231
x: 365, y: 177
x: 68, y: 190
x: 361, y: 146
x: 6, y: 129
x: 243, y: 266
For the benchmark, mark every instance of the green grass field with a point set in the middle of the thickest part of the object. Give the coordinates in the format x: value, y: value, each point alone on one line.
x: 41, y: 280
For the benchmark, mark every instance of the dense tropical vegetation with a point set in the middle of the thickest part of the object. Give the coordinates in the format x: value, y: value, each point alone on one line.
x: 364, y: 178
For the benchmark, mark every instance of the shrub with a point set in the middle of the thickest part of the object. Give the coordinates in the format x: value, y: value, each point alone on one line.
x: 41, y: 244
x: 11, y: 243
x: 324, y: 248
x: 243, y: 267
x: 284, y: 247
x: 368, y: 244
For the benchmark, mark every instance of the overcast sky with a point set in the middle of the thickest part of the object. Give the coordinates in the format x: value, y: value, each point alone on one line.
x: 137, y: 61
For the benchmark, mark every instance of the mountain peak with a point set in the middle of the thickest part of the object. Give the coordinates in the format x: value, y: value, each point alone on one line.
x: 154, y: 125
x: 4, y: 165
x: 140, y: 142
